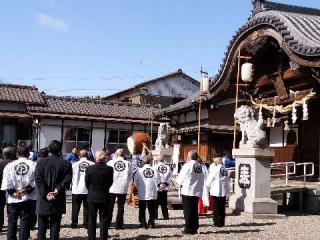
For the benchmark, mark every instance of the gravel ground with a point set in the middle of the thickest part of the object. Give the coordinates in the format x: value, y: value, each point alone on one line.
x: 294, y: 227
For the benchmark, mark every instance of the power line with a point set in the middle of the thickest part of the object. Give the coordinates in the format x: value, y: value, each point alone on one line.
x: 82, y: 89
x: 79, y: 78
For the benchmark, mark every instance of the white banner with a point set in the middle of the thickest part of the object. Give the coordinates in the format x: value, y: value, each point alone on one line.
x: 175, y: 158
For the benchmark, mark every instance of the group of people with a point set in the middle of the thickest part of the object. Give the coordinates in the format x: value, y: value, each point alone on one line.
x: 36, y: 190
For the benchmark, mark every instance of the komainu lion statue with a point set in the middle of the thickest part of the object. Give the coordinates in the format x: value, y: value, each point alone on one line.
x: 163, y: 136
x: 252, y: 131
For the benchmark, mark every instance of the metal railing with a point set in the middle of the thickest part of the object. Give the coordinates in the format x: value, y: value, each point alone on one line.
x: 284, y: 165
x: 232, y: 172
x: 290, y: 171
x: 305, y: 174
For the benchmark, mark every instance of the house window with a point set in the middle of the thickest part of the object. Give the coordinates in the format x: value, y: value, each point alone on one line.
x: 75, y: 137
x: 123, y: 136
x: 118, y: 138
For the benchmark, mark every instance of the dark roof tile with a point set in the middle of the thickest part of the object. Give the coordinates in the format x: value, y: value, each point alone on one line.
x: 20, y: 93
x: 92, y: 108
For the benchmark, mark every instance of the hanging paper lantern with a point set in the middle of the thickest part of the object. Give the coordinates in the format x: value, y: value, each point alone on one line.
x: 247, y: 72
x: 294, y: 113
x: 305, y: 110
x: 204, y: 85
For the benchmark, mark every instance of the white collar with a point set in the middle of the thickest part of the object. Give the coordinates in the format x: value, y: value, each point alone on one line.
x: 84, y: 158
x: 22, y: 158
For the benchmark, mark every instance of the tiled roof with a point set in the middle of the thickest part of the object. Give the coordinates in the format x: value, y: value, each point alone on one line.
x: 186, y: 103
x: 91, y: 108
x: 299, y: 26
x: 19, y: 93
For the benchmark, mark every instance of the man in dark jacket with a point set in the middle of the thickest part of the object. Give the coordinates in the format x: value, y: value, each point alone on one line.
x: 8, y: 156
x: 53, y: 176
x: 98, y: 180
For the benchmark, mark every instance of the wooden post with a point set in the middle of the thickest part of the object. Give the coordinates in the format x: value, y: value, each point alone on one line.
x: 237, y: 96
x: 151, y: 132
x: 237, y: 93
x: 199, y: 123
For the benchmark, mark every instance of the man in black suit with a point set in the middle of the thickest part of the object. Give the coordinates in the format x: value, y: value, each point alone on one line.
x: 53, y: 176
x: 99, y: 178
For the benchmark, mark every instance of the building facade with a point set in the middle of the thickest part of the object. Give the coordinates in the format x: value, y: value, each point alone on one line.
x: 31, y: 117
x: 164, y: 90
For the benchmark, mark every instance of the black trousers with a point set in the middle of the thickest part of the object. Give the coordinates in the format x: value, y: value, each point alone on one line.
x: 33, y: 221
x: 2, y: 205
x: 77, y: 200
x: 23, y: 211
x: 121, y: 200
x: 219, y: 211
x: 163, y: 203
x: 54, y: 221
x: 190, y: 212
x: 152, y: 206
x: 93, y: 209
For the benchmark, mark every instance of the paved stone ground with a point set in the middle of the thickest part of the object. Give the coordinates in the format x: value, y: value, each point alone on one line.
x: 242, y: 227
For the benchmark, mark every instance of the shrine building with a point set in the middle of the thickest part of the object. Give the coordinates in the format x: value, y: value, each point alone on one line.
x: 282, y: 44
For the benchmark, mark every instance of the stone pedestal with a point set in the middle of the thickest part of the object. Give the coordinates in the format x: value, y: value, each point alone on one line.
x: 165, y: 152
x: 253, y: 181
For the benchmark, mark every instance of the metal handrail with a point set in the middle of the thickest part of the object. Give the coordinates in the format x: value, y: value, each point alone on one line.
x: 287, y: 166
x: 232, y: 180
x: 305, y: 175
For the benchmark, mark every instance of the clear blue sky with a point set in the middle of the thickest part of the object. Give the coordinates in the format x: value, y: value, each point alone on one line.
x: 59, y: 45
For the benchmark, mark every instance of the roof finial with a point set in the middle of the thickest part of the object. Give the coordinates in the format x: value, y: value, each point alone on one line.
x: 258, y: 6
x: 254, y: 2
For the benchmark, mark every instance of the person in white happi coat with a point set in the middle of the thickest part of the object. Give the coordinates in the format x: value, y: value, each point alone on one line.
x: 79, y: 189
x: 165, y: 174
x: 219, y: 183
x: 19, y: 183
x: 122, y: 175
x: 146, y: 180
x: 191, y: 178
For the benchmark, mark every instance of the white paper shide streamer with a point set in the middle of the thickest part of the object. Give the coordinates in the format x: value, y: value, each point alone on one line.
x: 274, y: 120
x: 294, y: 113
x: 260, y: 119
x: 305, y: 110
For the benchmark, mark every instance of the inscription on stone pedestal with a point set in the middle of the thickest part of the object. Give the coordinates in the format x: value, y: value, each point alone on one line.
x: 244, y: 177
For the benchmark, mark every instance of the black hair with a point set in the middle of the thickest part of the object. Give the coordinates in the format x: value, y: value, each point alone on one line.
x: 86, y: 146
x: 23, y: 151
x: 44, y: 152
x: 8, y: 153
x: 194, y: 155
x: 55, y: 147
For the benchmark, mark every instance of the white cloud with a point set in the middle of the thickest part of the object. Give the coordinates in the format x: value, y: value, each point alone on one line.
x: 46, y: 21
